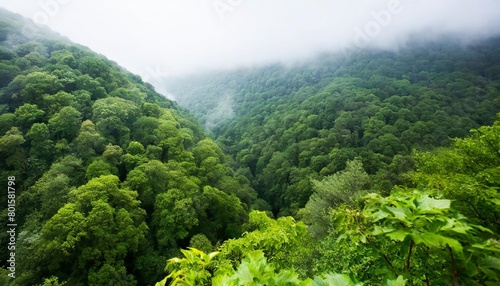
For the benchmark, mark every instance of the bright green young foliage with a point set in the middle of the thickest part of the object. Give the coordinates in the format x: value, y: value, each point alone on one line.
x: 198, y: 268
x: 417, y: 236
x: 52, y: 281
x: 194, y: 269
x: 468, y: 173
x: 285, y: 241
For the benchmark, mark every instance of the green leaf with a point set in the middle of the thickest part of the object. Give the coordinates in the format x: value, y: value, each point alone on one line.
x: 379, y: 215
x: 400, y: 281
x: 162, y: 282
x: 454, y: 244
x: 398, y: 235
x: 334, y: 279
x: 399, y: 213
x: 430, y: 205
x: 428, y: 239
x: 379, y: 230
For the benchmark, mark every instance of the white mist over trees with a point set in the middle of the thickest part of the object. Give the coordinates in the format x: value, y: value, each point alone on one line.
x: 161, y: 38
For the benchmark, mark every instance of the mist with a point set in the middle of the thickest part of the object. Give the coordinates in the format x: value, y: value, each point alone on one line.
x: 158, y: 39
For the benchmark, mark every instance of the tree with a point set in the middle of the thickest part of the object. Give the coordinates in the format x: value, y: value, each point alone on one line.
x: 100, y: 168
x: 113, y: 115
x: 88, y: 143
x: 65, y: 123
x: 27, y: 114
x: 468, y: 173
x: 28, y: 88
x: 223, y: 215
x: 95, y: 231
x: 343, y: 187
x: 41, y: 145
x: 10, y: 147
x: 173, y: 218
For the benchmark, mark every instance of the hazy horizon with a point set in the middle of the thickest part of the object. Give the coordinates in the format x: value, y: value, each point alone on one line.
x: 156, y: 39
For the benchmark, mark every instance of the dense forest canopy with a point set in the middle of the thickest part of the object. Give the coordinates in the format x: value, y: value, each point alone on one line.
x: 111, y: 178
x: 369, y: 168
x: 286, y: 124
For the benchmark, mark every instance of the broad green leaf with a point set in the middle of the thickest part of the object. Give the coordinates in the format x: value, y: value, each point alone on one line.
x: 379, y: 230
x: 400, y: 281
x: 162, y: 282
x: 379, y: 215
x: 398, y: 235
x: 427, y: 238
x: 430, y: 205
x: 454, y: 244
x: 455, y: 226
x: 399, y: 213
x: 334, y: 279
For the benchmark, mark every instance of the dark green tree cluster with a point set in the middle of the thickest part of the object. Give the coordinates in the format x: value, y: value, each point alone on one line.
x: 111, y: 178
x: 292, y: 123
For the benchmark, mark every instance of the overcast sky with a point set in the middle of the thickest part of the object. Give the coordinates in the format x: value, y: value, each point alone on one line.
x: 156, y: 38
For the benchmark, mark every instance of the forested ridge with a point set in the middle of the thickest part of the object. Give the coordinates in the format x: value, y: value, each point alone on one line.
x: 369, y: 168
x: 287, y: 124
x: 111, y: 178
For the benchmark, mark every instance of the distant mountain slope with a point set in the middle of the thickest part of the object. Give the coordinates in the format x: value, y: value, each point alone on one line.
x: 286, y: 125
x: 110, y: 177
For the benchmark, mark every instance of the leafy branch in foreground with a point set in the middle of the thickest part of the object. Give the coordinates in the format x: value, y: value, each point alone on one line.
x: 414, y: 233
x: 196, y: 268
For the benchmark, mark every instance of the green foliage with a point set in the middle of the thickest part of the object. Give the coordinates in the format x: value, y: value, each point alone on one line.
x: 100, y: 224
x: 193, y: 269
x: 413, y: 233
x: 343, y: 187
x: 52, y: 281
x: 468, y: 173
x: 104, y: 165
x: 113, y: 178
x: 198, y: 268
x: 288, y: 123
x: 100, y: 168
x: 285, y: 241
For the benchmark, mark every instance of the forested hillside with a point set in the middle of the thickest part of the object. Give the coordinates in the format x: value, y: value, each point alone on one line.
x: 286, y: 125
x: 362, y: 150
x: 107, y: 178
x: 367, y: 168
x: 442, y: 228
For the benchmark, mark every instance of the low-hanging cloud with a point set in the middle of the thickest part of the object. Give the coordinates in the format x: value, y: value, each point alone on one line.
x: 157, y: 38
